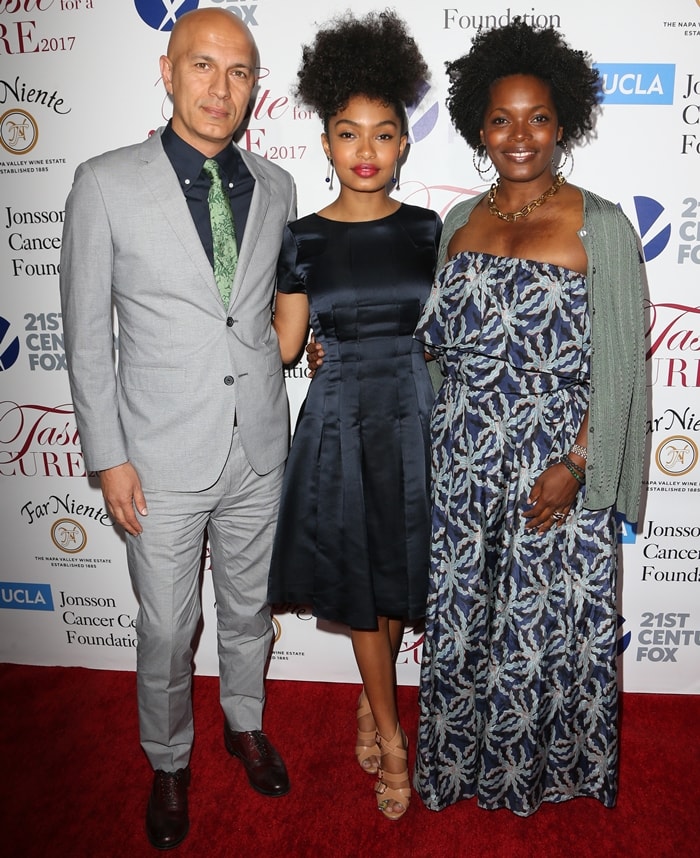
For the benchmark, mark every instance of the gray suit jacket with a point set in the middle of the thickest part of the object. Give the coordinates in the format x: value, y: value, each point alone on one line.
x: 186, y: 364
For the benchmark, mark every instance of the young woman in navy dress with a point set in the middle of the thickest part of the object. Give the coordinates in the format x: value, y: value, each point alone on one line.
x: 354, y: 523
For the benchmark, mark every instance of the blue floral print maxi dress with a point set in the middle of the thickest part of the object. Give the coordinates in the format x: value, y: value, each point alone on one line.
x: 518, y: 693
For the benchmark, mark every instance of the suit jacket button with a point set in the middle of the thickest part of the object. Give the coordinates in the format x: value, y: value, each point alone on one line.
x: 228, y: 380
x: 229, y: 322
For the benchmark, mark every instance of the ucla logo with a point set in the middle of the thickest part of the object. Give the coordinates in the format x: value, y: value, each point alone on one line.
x: 626, y: 531
x: 637, y: 83
x: 26, y: 597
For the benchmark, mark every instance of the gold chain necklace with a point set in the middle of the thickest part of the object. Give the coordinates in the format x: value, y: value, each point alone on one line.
x: 526, y: 209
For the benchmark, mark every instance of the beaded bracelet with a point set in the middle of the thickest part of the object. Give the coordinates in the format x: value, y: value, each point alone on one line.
x: 580, y: 451
x: 578, y: 468
x: 574, y: 470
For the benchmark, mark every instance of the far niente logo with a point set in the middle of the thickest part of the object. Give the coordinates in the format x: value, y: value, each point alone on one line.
x: 18, y: 131
x: 677, y: 455
x: 68, y: 535
x: 162, y: 14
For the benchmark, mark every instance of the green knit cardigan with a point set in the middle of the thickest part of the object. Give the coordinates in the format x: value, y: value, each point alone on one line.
x: 617, y: 408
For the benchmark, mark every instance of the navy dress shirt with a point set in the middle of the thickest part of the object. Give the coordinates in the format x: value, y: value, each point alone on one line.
x: 187, y: 163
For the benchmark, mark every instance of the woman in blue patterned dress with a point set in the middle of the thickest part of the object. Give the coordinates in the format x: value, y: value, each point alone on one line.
x: 353, y: 533
x: 538, y: 430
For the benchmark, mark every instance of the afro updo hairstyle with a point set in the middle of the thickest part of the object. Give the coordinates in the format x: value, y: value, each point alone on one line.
x: 518, y: 48
x: 372, y: 56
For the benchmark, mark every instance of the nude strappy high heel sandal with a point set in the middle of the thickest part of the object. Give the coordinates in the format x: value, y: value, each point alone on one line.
x: 387, y: 788
x: 366, y: 745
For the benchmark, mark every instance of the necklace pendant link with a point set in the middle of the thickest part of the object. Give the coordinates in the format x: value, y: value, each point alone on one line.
x: 511, y: 217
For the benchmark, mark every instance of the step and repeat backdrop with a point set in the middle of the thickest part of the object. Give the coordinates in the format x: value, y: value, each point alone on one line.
x: 78, y: 77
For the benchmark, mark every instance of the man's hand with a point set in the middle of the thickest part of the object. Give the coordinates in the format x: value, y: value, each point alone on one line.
x: 314, y: 355
x: 122, y: 492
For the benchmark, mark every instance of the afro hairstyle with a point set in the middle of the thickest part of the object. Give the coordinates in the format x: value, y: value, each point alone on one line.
x: 518, y: 48
x: 374, y: 56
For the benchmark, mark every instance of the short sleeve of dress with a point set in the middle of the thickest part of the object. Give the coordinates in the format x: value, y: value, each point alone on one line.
x: 290, y: 278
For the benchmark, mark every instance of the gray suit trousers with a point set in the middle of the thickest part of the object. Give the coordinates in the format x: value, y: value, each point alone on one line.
x: 239, y: 513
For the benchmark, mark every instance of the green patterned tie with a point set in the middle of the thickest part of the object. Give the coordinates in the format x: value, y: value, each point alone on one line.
x: 223, y: 232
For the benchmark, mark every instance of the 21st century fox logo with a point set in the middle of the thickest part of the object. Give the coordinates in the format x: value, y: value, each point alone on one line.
x: 162, y: 14
x: 9, y: 346
x: 43, y: 343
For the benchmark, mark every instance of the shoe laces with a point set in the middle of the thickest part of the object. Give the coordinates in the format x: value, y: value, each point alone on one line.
x: 167, y: 786
x: 261, y: 744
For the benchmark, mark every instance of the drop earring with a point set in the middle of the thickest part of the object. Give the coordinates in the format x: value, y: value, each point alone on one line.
x: 568, y: 155
x: 395, y: 178
x: 329, y: 174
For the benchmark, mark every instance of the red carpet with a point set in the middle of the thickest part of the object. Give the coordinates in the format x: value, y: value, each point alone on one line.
x: 75, y: 782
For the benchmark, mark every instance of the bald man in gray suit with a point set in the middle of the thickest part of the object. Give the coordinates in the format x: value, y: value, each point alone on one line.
x: 191, y: 431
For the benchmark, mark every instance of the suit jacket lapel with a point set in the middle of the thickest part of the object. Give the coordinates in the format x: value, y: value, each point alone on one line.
x: 259, y: 205
x: 159, y: 177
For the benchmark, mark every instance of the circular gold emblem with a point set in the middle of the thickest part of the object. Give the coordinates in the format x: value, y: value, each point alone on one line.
x: 68, y: 535
x: 677, y: 455
x: 18, y: 131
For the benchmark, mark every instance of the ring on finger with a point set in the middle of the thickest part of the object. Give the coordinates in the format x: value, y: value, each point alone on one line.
x: 558, y: 516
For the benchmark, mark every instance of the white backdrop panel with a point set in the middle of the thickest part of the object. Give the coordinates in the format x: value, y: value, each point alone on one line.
x: 78, y: 77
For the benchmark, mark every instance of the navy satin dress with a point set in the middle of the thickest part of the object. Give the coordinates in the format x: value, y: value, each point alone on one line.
x: 353, y: 534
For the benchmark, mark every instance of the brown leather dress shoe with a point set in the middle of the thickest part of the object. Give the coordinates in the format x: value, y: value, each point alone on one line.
x: 167, y: 822
x: 264, y: 767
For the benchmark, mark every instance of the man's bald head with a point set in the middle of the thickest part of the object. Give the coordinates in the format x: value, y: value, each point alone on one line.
x: 209, y: 18
x: 209, y: 71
